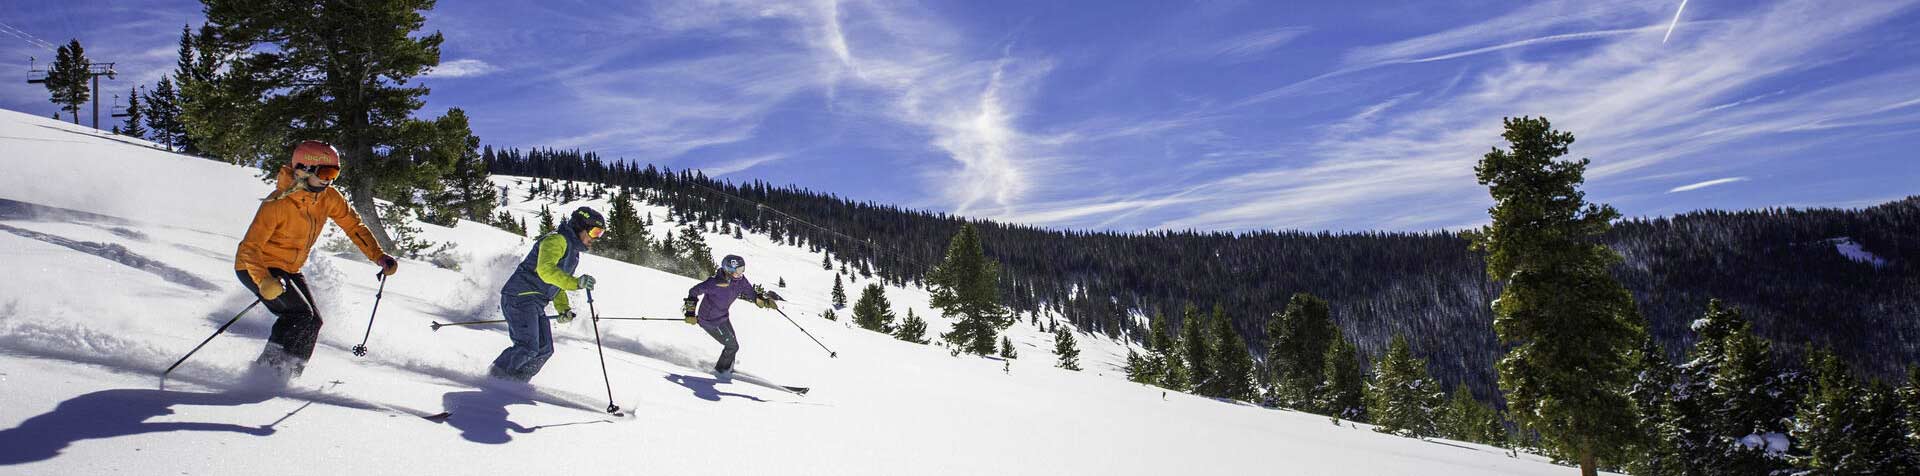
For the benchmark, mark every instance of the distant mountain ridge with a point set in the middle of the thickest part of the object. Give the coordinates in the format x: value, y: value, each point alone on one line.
x: 1776, y: 265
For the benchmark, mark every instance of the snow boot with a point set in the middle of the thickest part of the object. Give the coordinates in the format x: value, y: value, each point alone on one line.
x: 280, y: 363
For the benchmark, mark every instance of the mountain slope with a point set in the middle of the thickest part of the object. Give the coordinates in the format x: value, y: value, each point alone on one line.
x: 118, y: 259
x: 1784, y: 268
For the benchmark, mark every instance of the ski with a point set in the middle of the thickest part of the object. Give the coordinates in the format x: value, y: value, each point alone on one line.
x: 743, y: 377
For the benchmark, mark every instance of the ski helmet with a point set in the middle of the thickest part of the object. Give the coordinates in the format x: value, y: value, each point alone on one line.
x: 317, y: 158
x: 732, y: 263
x: 585, y: 218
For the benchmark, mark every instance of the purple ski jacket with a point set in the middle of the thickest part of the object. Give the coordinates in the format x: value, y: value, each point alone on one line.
x: 717, y: 294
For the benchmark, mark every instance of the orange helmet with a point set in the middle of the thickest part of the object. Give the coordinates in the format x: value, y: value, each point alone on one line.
x: 317, y: 158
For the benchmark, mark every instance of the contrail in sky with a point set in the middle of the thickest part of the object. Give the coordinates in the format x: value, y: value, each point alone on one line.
x: 1676, y: 22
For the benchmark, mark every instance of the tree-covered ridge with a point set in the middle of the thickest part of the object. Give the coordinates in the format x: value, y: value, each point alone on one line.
x: 1776, y: 264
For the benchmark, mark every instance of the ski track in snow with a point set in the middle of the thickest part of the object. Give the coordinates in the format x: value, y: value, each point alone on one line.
x: 110, y: 278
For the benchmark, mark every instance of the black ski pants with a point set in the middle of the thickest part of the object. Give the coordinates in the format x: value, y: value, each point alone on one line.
x: 298, y: 326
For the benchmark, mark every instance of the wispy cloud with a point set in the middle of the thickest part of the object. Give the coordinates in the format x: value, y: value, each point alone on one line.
x: 1633, y: 105
x: 1254, y: 45
x: 1709, y: 183
x: 926, y: 77
x: 461, y: 68
x: 740, y: 164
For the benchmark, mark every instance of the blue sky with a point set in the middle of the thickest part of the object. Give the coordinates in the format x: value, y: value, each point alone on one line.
x: 1214, y: 115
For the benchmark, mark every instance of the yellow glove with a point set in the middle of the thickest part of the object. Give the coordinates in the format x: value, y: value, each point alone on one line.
x: 765, y: 303
x: 271, y: 290
x: 693, y: 320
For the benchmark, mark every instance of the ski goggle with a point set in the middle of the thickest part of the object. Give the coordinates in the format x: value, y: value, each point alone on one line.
x: 323, y: 172
x: 595, y: 232
x: 734, y: 269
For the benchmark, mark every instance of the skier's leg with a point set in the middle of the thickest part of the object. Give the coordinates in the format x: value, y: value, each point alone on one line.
x: 304, y: 332
x: 542, y: 351
x: 722, y: 332
x: 522, y: 314
x: 288, y: 309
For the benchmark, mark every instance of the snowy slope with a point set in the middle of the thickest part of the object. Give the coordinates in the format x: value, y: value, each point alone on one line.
x: 1853, y: 251
x: 117, y: 259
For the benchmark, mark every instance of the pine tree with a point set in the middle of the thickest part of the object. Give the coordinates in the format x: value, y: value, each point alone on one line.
x: 966, y: 287
x: 1066, y: 350
x: 1730, y: 398
x: 1199, y: 350
x: 1233, y: 363
x: 1404, y: 398
x: 912, y: 329
x: 1690, y: 426
x: 1298, y: 340
x: 1341, y: 391
x: 505, y: 221
x: 193, y: 74
x: 67, y: 80
x: 1754, y: 403
x: 1651, y: 393
x: 1138, y: 370
x: 1571, y: 327
x: 826, y: 261
x: 693, y: 248
x: 1466, y: 419
x: 546, y: 220
x: 1006, y: 348
x: 829, y: 315
x: 1880, y: 436
x: 318, y: 70
x: 464, y: 191
x: 873, y: 312
x: 783, y: 285
x: 136, y: 115
x: 839, y: 295
x: 627, y: 236
x: 1826, y: 416
x: 1910, y: 404
x: 1165, y: 350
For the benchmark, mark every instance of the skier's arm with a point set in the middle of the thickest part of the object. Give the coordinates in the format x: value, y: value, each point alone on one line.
x: 357, y: 231
x: 699, y: 290
x: 552, y: 248
x: 752, y: 294
x: 258, y: 232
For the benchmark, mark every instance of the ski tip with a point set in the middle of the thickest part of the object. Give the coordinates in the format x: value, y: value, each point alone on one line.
x: 438, y: 417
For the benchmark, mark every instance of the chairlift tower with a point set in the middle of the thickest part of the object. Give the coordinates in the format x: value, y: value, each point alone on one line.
x: 94, y: 71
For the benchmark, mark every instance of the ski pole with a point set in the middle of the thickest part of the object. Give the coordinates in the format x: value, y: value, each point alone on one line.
x: 216, y: 333
x: 611, y: 408
x: 675, y: 319
x: 437, y: 325
x: 361, y: 350
x: 803, y: 330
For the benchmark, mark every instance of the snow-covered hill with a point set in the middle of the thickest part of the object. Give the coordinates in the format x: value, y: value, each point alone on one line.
x: 116, y: 259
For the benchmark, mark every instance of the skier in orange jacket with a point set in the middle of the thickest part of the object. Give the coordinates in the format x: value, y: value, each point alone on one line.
x: 276, y: 245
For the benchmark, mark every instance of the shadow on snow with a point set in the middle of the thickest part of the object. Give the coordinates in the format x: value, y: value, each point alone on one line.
x: 115, y: 413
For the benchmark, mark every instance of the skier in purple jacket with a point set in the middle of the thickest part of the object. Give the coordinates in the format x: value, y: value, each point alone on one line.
x: 727, y: 284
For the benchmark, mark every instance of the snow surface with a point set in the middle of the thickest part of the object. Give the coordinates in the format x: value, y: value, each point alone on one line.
x: 1853, y: 251
x: 117, y: 260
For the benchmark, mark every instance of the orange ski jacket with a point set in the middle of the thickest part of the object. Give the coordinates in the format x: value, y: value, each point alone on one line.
x: 288, y: 223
